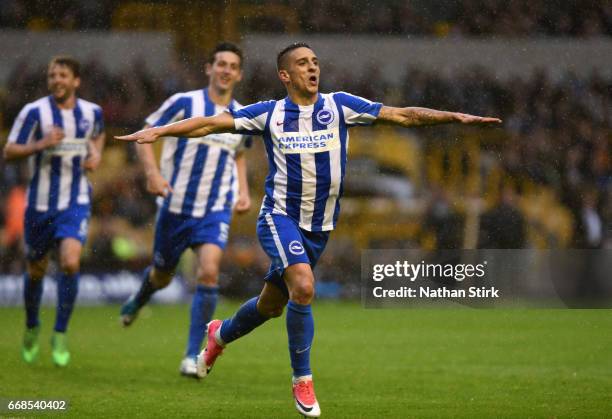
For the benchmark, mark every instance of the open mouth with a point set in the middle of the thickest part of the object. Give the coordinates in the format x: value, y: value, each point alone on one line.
x: 312, y: 80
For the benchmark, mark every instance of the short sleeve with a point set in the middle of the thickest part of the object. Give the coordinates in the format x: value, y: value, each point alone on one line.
x: 357, y: 110
x: 171, y: 110
x: 25, y: 124
x: 252, y: 119
x: 98, y: 122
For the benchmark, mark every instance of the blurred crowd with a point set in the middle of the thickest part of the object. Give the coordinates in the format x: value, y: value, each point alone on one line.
x: 467, y: 17
x: 556, y: 134
x: 579, y: 18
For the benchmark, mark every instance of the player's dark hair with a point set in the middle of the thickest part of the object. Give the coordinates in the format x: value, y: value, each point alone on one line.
x: 280, y: 57
x: 225, y: 46
x: 69, y: 62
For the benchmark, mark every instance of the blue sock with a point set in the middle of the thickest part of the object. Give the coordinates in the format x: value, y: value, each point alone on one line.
x: 146, y: 289
x: 67, y: 290
x: 300, y: 330
x: 32, y: 294
x: 202, y: 308
x: 244, y: 320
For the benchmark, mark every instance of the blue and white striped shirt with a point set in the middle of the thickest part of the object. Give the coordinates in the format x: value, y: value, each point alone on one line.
x: 58, y: 179
x: 306, y: 147
x: 201, y: 171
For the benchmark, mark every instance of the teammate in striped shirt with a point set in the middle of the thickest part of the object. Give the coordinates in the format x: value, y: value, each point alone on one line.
x: 63, y: 137
x: 199, y: 184
x: 306, y: 139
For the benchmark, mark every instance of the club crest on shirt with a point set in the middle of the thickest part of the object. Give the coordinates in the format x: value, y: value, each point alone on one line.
x: 325, y: 116
x: 84, y: 125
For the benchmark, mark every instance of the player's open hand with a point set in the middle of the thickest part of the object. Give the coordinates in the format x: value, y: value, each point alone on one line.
x: 158, y: 185
x: 144, y: 136
x: 468, y: 119
x: 243, y: 205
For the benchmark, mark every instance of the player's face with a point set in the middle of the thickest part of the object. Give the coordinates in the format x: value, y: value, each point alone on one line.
x: 225, y: 71
x: 303, y: 71
x: 61, y: 82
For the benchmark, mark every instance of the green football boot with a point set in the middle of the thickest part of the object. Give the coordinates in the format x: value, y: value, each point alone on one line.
x: 30, y: 348
x: 59, y: 349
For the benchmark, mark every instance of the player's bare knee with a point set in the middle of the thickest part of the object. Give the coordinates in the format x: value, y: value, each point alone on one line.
x: 70, y: 264
x: 37, y: 269
x: 300, y: 282
x: 302, y: 293
x: 270, y: 309
x: 208, y: 276
x: 271, y: 301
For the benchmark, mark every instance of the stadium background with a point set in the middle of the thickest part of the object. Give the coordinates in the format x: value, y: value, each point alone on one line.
x: 541, y: 181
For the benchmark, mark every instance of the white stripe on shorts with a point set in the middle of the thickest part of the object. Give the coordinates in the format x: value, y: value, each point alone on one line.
x: 279, y: 245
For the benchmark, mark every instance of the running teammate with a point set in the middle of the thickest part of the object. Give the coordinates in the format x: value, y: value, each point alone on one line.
x: 306, y: 139
x: 198, y: 185
x: 63, y: 136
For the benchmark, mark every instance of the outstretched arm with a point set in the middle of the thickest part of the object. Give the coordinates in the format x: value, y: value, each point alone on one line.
x: 198, y: 126
x: 411, y: 116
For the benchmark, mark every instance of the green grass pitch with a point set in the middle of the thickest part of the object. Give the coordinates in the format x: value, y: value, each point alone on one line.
x: 367, y: 364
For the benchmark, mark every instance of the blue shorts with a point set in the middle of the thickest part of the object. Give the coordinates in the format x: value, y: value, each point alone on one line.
x: 287, y: 244
x: 43, y: 230
x: 174, y: 233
